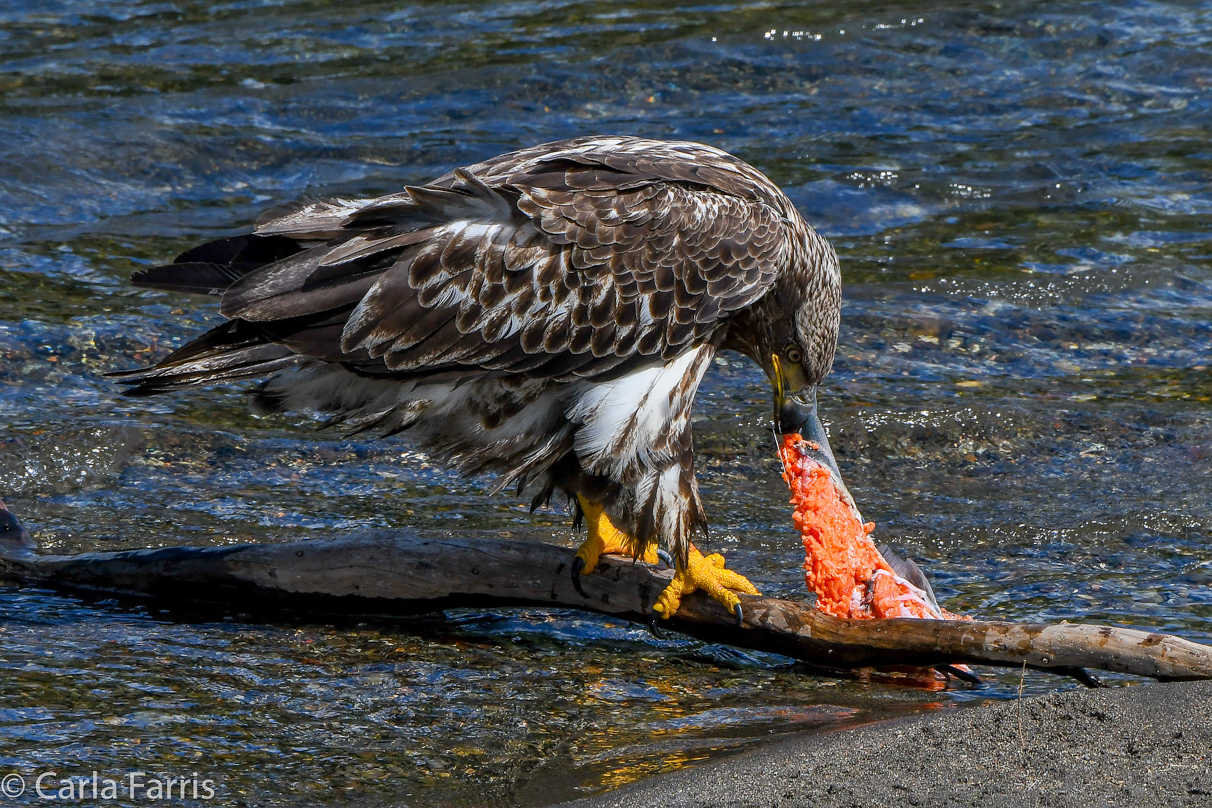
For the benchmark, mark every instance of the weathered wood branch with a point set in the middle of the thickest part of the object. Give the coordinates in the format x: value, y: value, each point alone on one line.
x: 394, y: 573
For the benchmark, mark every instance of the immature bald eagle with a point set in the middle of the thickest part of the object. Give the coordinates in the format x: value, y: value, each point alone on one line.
x: 546, y: 315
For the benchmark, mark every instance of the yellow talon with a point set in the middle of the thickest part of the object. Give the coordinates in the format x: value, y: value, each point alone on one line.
x: 706, y: 573
x: 606, y: 539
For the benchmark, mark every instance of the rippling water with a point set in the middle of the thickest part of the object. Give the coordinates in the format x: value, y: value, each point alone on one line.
x: 1019, y: 193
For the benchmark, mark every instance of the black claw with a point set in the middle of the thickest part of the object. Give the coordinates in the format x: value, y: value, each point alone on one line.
x: 961, y: 674
x: 578, y: 564
x: 740, y: 616
x: 1082, y: 675
x: 652, y: 627
x: 665, y: 557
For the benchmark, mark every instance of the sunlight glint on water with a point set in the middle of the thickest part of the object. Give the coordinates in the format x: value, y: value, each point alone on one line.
x: 1019, y: 193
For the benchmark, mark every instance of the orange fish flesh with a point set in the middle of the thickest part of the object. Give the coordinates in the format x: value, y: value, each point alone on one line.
x: 842, y: 565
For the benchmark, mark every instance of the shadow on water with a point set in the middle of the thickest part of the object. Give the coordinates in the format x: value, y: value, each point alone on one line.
x: 1021, y: 400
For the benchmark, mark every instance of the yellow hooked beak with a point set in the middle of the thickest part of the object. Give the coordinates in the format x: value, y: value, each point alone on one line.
x: 790, y: 414
x: 797, y: 414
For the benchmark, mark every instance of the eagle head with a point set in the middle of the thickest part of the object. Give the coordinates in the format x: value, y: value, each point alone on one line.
x: 792, y: 335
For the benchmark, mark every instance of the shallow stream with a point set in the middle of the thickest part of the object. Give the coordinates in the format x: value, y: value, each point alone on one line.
x: 1020, y: 194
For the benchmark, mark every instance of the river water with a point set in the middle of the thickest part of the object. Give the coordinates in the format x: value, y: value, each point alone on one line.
x: 1019, y: 193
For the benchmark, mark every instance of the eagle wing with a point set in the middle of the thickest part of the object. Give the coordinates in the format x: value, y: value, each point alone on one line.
x: 578, y: 259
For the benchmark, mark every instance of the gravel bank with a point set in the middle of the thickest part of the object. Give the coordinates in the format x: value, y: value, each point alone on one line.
x: 1147, y: 745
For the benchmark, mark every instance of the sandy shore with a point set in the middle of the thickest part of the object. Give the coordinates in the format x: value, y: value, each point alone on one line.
x: 1147, y: 745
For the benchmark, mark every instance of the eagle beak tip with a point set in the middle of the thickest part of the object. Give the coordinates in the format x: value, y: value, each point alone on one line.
x: 794, y: 417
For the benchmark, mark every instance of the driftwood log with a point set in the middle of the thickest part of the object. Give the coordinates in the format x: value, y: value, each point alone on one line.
x: 394, y: 573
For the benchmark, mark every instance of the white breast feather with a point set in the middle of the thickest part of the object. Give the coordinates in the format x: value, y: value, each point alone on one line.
x: 622, y: 419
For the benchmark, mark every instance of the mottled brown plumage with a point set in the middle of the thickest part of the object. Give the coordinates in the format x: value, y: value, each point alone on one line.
x: 545, y: 315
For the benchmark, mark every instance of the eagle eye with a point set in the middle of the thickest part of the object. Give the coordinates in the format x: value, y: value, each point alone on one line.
x: 794, y: 354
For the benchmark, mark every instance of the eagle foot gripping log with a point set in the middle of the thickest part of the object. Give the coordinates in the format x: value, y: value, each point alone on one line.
x: 700, y: 572
x: 604, y: 539
x: 706, y: 573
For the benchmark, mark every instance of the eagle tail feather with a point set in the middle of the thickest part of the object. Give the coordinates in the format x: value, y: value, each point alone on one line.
x: 229, y: 352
